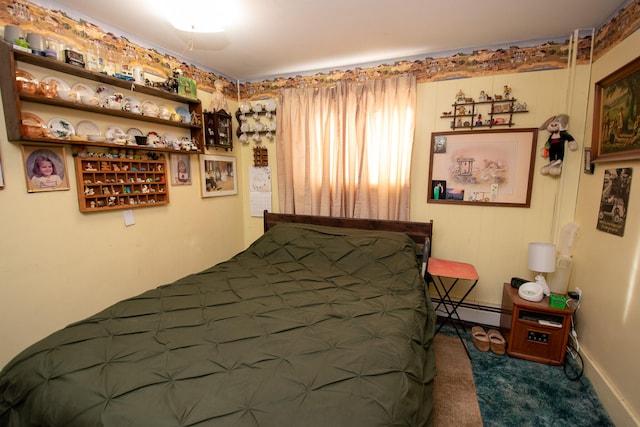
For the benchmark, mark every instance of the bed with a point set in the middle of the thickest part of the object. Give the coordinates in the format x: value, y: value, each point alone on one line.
x: 320, y: 322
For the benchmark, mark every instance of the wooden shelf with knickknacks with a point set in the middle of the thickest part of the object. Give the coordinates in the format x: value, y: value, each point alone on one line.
x: 485, y: 112
x: 107, y: 183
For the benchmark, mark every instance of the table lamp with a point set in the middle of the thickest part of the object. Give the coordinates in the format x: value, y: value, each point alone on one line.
x: 542, y: 259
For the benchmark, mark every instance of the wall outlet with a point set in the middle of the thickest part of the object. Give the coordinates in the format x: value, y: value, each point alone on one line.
x: 575, y: 294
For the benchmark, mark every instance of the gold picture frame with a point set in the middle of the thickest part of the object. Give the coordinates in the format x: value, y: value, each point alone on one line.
x: 616, y: 121
x: 489, y: 168
x: 45, y: 168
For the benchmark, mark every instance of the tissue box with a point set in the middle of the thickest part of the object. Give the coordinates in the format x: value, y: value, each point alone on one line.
x: 557, y: 301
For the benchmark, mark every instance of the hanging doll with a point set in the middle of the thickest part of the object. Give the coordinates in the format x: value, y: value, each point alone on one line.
x: 554, y: 147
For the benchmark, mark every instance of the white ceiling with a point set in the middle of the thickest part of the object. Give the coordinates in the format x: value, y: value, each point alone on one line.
x: 289, y: 37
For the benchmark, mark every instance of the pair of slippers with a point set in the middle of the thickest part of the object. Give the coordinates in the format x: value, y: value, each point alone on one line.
x: 491, y: 339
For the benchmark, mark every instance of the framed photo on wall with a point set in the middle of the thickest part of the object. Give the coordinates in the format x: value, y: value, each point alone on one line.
x: 614, y: 201
x: 218, y: 175
x: 180, y: 169
x: 45, y: 168
x: 616, y: 122
x: 492, y: 168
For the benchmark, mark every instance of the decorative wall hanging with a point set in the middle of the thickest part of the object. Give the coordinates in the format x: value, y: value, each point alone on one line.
x: 492, y: 168
x: 45, y: 168
x: 614, y: 201
x: 218, y: 175
x: 180, y: 169
x: 616, y: 121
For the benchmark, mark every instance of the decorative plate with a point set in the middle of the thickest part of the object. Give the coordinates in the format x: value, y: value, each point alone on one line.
x: 185, y: 114
x: 166, y: 111
x: 132, y: 105
x: 60, y: 84
x: 82, y: 90
x: 150, y: 108
x: 104, y: 91
x: 60, y: 128
x: 86, y: 128
x: 116, y: 135
x: 134, y: 132
x: 171, y: 140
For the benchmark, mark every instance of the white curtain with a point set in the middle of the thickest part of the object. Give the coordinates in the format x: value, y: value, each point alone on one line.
x: 345, y: 150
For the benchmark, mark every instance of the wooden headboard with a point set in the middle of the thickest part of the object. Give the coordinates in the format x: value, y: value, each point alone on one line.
x: 417, y: 231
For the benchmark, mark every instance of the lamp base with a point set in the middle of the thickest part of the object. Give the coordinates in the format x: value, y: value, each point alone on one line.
x: 540, y: 281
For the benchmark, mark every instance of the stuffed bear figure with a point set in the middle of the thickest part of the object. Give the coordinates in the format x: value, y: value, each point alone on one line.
x: 554, y: 148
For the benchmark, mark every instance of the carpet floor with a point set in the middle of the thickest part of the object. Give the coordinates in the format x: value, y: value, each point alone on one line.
x: 517, y: 392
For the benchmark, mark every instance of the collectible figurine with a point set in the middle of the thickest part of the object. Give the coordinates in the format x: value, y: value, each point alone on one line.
x: 554, y: 147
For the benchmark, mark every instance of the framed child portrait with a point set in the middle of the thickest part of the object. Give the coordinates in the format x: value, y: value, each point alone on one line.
x: 45, y: 168
x: 180, y: 169
x: 218, y: 175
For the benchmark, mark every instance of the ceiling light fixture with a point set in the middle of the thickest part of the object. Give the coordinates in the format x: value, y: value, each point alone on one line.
x: 197, y: 16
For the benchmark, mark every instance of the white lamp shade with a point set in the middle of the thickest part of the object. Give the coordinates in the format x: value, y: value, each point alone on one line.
x: 542, y: 257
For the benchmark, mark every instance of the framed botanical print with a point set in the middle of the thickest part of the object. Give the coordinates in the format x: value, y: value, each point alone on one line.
x: 218, y: 175
x: 45, y: 168
x: 616, y: 121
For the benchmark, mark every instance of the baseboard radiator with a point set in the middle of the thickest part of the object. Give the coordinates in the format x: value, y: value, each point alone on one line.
x: 470, y: 312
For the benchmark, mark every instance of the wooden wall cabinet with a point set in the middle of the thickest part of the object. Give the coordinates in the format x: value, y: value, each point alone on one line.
x: 217, y: 129
x: 14, y: 101
x: 119, y: 183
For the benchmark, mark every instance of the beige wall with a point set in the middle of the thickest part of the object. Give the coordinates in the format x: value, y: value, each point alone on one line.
x: 58, y: 265
x: 495, y: 239
x: 606, y: 269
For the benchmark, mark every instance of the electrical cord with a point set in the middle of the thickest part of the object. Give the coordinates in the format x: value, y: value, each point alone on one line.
x: 573, y: 364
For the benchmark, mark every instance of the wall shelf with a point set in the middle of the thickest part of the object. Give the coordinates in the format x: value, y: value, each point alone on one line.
x: 468, y: 115
x: 15, y: 101
x: 120, y: 183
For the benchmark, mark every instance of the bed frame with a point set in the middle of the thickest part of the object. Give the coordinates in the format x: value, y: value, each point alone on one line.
x: 417, y: 231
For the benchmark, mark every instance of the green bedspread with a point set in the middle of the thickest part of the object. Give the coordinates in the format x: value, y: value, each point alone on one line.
x: 310, y: 326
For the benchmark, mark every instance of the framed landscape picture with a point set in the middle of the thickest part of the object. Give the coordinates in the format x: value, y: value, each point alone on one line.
x: 616, y: 122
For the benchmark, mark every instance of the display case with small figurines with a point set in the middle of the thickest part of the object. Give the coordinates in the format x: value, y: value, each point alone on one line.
x: 108, y: 181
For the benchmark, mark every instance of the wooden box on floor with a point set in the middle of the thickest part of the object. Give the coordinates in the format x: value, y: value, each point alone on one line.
x: 522, y: 323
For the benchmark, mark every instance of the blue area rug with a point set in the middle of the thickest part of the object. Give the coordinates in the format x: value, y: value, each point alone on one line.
x: 517, y: 392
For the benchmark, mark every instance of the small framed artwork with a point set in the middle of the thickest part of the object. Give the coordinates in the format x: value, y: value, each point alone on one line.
x: 180, y: 169
x: 45, y: 168
x: 614, y: 201
x: 492, y: 168
x: 187, y: 87
x: 438, y: 189
x: 1, y: 176
x: 218, y: 175
x: 616, y: 121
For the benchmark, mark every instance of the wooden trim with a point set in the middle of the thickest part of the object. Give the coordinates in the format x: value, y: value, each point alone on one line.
x: 417, y: 231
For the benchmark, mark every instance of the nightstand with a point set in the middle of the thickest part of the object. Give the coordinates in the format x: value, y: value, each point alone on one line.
x: 529, y: 335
